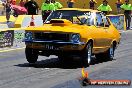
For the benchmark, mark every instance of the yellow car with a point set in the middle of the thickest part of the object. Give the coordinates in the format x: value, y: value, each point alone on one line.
x: 72, y: 32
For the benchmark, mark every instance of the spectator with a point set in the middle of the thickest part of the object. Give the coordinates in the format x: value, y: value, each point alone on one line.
x: 3, y: 3
x: 13, y: 2
x: 32, y: 7
x: 8, y: 10
x: 92, y: 4
x: 56, y: 4
x: 22, y: 3
x: 47, y: 8
x: 127, y: 7
x: 118, y: 4
x: 105, y: 8
x: 70, y: 3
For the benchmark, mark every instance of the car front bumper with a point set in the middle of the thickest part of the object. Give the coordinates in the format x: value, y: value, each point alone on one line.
x: 55, y: 45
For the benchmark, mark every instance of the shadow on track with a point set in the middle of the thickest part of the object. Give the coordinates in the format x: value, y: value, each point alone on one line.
x: 55, y: 63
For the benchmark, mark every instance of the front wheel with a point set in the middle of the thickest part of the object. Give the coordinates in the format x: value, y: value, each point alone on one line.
x: 87, y: 55
x: 31, y: 55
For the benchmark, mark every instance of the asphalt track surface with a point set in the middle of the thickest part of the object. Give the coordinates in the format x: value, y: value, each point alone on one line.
x: 48, y: 72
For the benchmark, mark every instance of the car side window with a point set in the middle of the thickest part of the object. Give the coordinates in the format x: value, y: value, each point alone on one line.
x: 106, y: 22
x: 84, y: 19
x: 99, y: 20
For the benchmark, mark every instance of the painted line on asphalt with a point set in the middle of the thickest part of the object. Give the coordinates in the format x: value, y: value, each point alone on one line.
x: 2, y: 51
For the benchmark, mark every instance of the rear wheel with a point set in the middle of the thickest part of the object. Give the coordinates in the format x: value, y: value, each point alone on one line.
x: 108, y: 55
x: 31, y: 55
x: 87, y: 55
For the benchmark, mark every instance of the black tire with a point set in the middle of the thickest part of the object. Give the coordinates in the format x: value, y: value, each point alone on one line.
x: 31, y: 55
x: 106, y: 56
x: 63, y: 58
x: 87, y: 55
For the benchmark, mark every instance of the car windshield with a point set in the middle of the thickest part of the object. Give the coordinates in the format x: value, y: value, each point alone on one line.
x: 64, y: 14
x: 87, y: 18
x: 71, y: 15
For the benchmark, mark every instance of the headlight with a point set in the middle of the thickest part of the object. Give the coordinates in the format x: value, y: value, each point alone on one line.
x: 28, y: 36
x: 75, y: 38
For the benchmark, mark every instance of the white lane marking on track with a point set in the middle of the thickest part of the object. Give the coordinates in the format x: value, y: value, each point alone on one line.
x: 1, y: 51
x: 46, y: 68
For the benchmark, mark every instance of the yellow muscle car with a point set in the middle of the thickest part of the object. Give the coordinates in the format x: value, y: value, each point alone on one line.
x: 72, y: 32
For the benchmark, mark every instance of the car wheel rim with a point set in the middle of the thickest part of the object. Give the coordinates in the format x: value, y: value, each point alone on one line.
x: 111, y: 52
x: 89, y: 54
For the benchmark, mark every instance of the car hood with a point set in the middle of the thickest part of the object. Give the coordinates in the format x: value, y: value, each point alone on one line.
x: 73, y: 28
x: 60, y: 25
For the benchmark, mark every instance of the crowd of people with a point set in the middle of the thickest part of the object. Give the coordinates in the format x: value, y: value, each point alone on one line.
x: 32, y: 7
x: 127, y: 7
x: 51, y: 5
x: 48, y: 6
x: 106, y: 8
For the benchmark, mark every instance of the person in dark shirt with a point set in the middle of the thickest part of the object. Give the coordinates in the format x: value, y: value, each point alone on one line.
x: 92, y: 4
x: 8, y: 10
x: 32, y: 7
x: 118, y: 4
x: 127, y: 7
x: 70, y: 3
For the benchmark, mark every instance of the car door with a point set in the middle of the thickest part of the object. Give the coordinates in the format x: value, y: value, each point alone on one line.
x: 100, y: 41
x: 107, y: 31
x: 95, y: 31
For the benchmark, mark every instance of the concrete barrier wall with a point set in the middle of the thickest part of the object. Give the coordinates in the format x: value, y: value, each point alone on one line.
x: 24, y: 21
x: 37, y: 20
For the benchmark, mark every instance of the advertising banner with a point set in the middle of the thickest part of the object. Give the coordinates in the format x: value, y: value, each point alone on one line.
x: 18, y: 38
x: 6, y: 38
x: 12, y: 38
x: 118, y: 21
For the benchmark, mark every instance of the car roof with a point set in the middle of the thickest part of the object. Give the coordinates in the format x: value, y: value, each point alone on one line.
x: 70, y: 9
x: 80, y: 9
x: 90, y: 10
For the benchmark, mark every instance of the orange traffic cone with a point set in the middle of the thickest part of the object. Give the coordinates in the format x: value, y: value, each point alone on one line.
x: 32, y: 21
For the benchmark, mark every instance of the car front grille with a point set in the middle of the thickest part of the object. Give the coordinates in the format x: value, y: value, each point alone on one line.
x: 47, y: 36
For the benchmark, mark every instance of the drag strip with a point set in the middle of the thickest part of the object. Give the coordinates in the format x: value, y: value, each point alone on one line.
x: 48, y: 72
